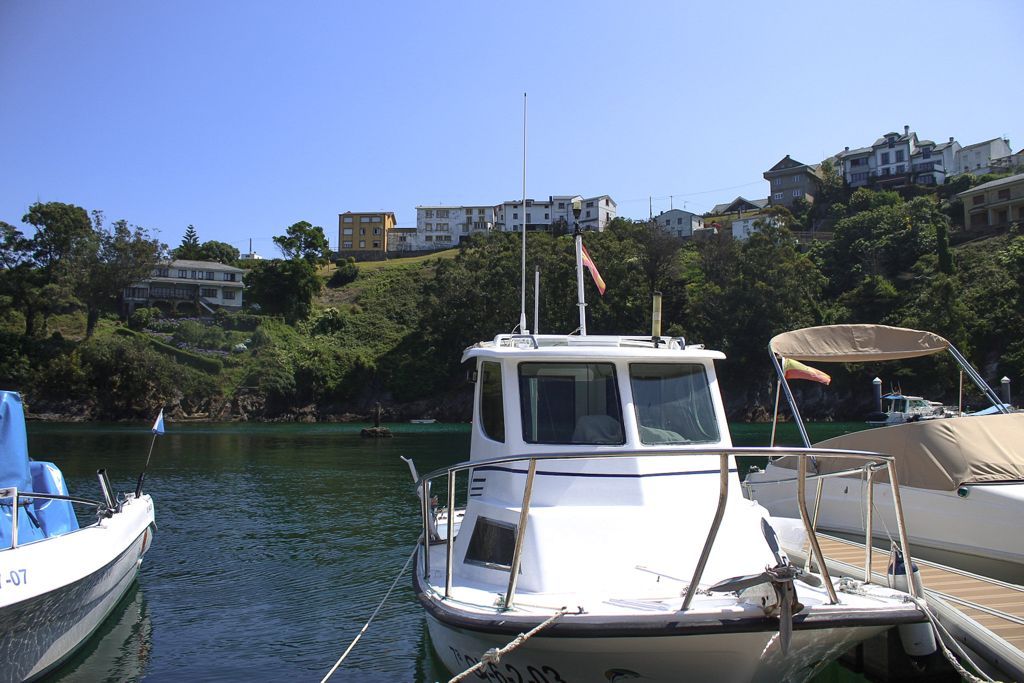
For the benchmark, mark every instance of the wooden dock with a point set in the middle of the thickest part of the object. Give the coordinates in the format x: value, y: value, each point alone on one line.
x: 984, y: 615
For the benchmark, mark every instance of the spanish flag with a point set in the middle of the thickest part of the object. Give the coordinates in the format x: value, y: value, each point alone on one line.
x: 589, y: 264
x: 792, y: 369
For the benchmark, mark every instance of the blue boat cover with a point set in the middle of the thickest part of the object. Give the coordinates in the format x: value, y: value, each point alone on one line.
x: 14, y: 470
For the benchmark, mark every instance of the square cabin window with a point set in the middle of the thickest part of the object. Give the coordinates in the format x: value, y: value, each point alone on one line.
x: 570, y: 403
x: 673, y: 403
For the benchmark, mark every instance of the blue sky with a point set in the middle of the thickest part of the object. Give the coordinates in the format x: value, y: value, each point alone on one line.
x: 242, y: 118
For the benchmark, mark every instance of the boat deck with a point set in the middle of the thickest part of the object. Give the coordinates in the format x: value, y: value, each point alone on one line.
x: 985, y: 614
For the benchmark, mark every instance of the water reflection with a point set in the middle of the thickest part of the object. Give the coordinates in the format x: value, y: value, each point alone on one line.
x: 120, y: 650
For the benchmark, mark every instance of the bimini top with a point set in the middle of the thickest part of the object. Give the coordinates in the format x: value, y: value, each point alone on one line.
x: 856, y: 343
x: 941, y: 455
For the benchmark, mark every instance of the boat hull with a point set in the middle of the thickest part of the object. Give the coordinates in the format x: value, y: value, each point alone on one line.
x: 44, y: 628
x: 718, y: 657
x: 975, y: 529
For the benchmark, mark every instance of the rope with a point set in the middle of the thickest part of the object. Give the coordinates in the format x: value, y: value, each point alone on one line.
x: 372, y: 617
x: 942, y: 635
x: 494, y: 655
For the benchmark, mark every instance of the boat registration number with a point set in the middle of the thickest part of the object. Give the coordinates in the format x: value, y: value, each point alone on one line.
x: 15, y: 577
x: 506, y: 673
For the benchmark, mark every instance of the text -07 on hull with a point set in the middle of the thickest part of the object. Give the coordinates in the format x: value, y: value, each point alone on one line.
x: 599, y: 511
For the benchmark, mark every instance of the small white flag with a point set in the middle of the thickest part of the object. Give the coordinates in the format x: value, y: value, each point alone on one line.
x: 158, y: 426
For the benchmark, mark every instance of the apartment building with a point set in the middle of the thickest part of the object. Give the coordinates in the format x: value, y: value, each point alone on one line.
x: 364, y: 235
x: 555, y: 214
x: 441, y: 227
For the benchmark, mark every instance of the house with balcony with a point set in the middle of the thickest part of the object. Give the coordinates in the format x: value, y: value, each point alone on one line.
x: 679, y: 222
x: 364, y: 235
x: 896, y: 160
x: 182, y: 285
x: 792, y: 181
x: 555, y: 214
x: 994, y: 205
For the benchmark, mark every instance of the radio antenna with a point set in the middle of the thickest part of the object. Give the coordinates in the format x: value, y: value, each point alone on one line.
x: 522, y: 301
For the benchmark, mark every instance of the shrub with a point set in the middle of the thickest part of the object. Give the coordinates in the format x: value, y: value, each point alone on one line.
x: 347, y: 272
x: 141, y: 318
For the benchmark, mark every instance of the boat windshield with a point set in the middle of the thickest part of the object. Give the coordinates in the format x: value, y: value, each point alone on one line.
x: 570, y: 403
x: 673, y: 403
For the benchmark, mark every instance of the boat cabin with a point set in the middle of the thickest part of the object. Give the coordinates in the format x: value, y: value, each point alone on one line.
x: 637, y: 426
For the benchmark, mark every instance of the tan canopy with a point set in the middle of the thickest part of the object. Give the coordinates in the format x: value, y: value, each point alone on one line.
x: 856, y: 343
x: 941, y: 454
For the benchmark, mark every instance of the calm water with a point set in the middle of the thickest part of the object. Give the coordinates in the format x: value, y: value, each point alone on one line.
x: 275, y: 544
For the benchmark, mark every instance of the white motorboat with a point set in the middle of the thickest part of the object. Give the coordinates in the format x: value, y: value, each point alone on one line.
x: 601, y: 535
x: 58, y: 580
x: 961, y: 479
x: 899, y: 408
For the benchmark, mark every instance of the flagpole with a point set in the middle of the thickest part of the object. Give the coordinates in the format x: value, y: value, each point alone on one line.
x: 579, y: 282
x: 158, y: 429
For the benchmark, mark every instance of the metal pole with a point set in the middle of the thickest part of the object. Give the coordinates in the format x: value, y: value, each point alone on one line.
x: 536, y: 300
x: 814, y: 517
x: 901, y: 525
x: 775, y: 415
x: 801, y: 489
x: 581, y: 301
x: 978, y: 380
x: 524, y: 516
x: 868, y: 540
x: 522, y: 302
x: 425, y: 506
x: 451, y: 535
x: 789, y: 398
x: 14, y: 518
x: 723, y: 492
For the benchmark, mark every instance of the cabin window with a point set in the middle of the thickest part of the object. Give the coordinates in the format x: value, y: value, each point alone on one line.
x: 570, y: 403
x: 673, y: 403
x: 492, y: 544
x: 492, y: 416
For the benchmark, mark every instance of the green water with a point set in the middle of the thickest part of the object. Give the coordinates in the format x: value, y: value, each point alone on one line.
x: 275, y: 544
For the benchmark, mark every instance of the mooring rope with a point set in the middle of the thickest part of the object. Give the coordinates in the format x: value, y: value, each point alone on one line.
x: 372, y: 617
x: 940, y: 630
x: 493, y: 655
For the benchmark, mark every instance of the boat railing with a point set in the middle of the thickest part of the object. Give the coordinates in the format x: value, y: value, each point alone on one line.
x: 104, y: 508
x: 873, y: 462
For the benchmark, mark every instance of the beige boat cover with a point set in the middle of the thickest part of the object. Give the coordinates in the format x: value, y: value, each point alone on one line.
x: 856, y: 343
x: 941, y: 454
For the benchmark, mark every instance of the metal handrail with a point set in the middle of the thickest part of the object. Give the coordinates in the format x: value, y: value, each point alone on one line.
x: 13, y: 493
x: 876, y: 461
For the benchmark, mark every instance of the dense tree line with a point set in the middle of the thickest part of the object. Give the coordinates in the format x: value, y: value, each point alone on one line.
x: 330, y: 341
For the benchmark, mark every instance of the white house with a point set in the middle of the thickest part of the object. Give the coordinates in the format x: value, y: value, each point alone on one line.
x: 441, y: 227
x: 207, y: 285
x: 679, y: 223
x: 977, y: 158
x: 555, y: 213
x: 899, y: 159
x: 743, y: 228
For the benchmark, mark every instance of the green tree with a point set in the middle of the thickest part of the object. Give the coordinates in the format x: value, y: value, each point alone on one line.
x: 284, y: 287
x: 221, y: 252
x: 124, y: 255
x: 304, y: 241
x: 189, y: 248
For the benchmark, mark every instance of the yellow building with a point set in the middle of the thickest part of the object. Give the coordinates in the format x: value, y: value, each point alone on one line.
x: 364, y: 235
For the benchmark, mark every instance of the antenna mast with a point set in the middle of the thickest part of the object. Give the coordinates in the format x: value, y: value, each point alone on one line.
x: 522, y: 300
